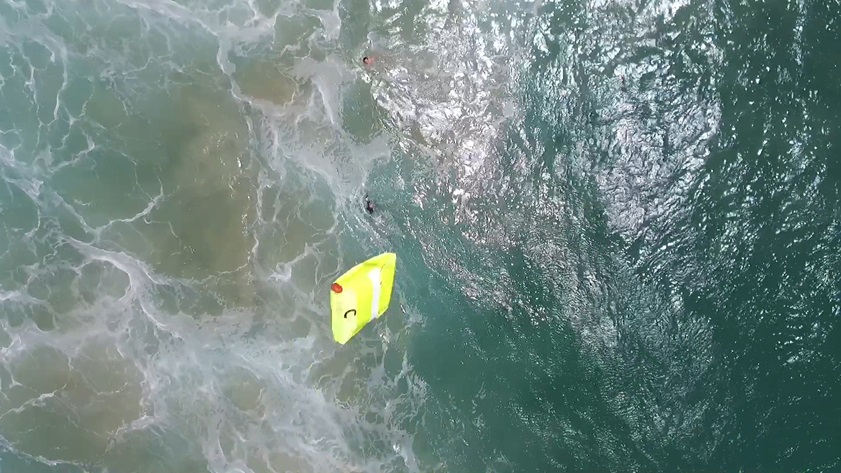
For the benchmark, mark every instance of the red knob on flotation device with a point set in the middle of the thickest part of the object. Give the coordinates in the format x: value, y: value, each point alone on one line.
x: 336, y: 288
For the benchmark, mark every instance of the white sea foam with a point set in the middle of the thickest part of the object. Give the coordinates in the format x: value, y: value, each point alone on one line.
x: 179, y: 178
x: 114, y: 355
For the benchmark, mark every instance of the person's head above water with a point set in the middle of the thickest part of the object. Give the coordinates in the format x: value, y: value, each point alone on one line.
x: 367, y: 60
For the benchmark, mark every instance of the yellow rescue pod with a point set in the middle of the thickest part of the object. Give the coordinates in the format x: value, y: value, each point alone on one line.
x: 361, y: 295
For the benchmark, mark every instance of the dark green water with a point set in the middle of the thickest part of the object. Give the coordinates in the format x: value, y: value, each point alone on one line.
x: 617, y: 228
x: 653, y: 272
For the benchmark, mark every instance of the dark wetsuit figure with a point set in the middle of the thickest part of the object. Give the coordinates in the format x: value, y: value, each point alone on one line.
x: 369, y: 205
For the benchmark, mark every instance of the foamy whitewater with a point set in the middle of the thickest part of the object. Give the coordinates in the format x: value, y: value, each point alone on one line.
x: 181, y: 182
x: 616, y: 224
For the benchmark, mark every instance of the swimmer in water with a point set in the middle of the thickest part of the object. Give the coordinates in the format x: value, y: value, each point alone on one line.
x: 369, y: 205
x: 368, y: 61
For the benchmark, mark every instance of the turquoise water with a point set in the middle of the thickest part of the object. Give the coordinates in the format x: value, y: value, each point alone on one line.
x: 617, y: 228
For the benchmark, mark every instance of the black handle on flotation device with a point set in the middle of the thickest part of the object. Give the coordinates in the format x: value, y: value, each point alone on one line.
x: 349, y: 311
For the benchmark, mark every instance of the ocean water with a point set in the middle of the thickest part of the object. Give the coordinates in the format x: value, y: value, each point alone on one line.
x: 617, y: 229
